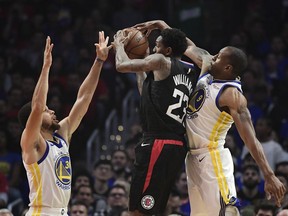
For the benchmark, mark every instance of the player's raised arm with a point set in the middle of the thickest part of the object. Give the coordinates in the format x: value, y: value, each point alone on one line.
x: 32, y: 143
x: 86, y: 90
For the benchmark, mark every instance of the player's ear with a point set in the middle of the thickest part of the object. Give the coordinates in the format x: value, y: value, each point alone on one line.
x: 229, y: 67
x: 168, y: 51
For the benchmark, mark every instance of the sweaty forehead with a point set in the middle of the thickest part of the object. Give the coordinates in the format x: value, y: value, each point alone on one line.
x: 224, y: 51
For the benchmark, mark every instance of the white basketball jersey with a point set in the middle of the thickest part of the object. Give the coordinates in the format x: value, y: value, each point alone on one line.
x: 206, y: 124
x: 50, y: 177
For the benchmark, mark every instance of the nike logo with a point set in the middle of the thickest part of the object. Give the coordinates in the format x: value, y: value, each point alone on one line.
x: 145, y: 144
x: 201, y: 159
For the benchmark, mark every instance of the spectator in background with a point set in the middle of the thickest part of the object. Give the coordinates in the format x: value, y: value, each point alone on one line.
x: 10, y: 167
x: 259, y: 105
x: 250, y: 191
x: 182, y: 190
x: 78, y: 209
x: 117, y: 201
x: 81, y: 177
x: 282, y: 167
x: 130, y: 150
x: 231, y: 144
x: 85, y: 194
x: 120, y: 165
x: 265, y: 209
x: 273, y: 150
x: 5, y: 212
x: 174, y: 204
x: 102, y: 172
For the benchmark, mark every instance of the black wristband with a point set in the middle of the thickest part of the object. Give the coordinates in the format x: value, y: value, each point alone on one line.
x: 99, y: 60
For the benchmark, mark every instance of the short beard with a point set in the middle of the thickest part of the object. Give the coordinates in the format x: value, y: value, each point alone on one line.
x: 251, y: 185
x: 55, y: 127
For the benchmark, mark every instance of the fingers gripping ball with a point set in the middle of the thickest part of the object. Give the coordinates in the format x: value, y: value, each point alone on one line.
x: 137, y: 44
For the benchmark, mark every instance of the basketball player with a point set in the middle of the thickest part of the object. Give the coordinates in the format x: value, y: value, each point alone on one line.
x: 216, y: 104
x: 45, y: 140
x: 165, y: 93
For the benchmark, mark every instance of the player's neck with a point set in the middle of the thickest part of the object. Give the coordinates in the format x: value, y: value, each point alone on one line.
x: 47, y: 135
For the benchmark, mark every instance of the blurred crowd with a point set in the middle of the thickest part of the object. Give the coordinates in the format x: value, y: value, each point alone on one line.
x: 260, y: 27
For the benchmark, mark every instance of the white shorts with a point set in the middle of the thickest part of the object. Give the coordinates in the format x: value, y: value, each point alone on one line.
x: 210, y: 181
x: 45, y: 211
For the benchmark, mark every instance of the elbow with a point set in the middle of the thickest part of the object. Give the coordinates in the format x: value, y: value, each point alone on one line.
x: 120, y: 68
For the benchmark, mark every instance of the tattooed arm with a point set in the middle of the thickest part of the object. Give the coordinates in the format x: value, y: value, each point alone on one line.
x: 158, y: 63
x: 140, y: 77
x: 196, y: 54
x: 152, y: 62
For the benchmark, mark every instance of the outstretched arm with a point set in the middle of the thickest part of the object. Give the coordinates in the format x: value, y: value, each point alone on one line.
x: 86, y: 90
x: 32, y: 143
x: 237, y: 105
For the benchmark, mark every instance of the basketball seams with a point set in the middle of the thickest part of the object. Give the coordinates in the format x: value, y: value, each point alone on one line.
x: 131, y: 39
x: 136, y: 45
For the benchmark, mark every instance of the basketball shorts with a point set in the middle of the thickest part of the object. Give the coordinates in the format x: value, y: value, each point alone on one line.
x: 210, y: 181
x: 157, y: 163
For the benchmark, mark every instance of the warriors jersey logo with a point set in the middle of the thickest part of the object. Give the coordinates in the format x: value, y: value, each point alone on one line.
x: 63, y: 169
x: 196, y: 102
x: 147, y: 202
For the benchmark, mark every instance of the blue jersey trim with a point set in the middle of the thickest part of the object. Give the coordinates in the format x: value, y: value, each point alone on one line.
x: 224, y: 81
x: 204, y: 74
x: 220, y: 92
x: 45, y: 154
x: 59, y: 136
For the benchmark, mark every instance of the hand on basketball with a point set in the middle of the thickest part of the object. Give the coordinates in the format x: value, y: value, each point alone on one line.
x: 121, y: 37
x: 274, y: 189
x: 147, y: 27
x: 101, y: 47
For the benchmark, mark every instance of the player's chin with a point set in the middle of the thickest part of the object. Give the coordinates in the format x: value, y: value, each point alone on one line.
x: 55, y: 126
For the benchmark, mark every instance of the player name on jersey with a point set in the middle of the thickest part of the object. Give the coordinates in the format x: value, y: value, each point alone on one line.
x: 184, y: 80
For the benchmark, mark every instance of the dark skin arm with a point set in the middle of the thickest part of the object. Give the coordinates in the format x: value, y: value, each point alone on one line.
x: 236, y: 103
x: 193, y: 52
x: 158, y: 63
x: 140, y: 77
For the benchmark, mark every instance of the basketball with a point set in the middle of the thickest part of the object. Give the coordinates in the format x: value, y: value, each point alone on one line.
x: 137, y: 44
